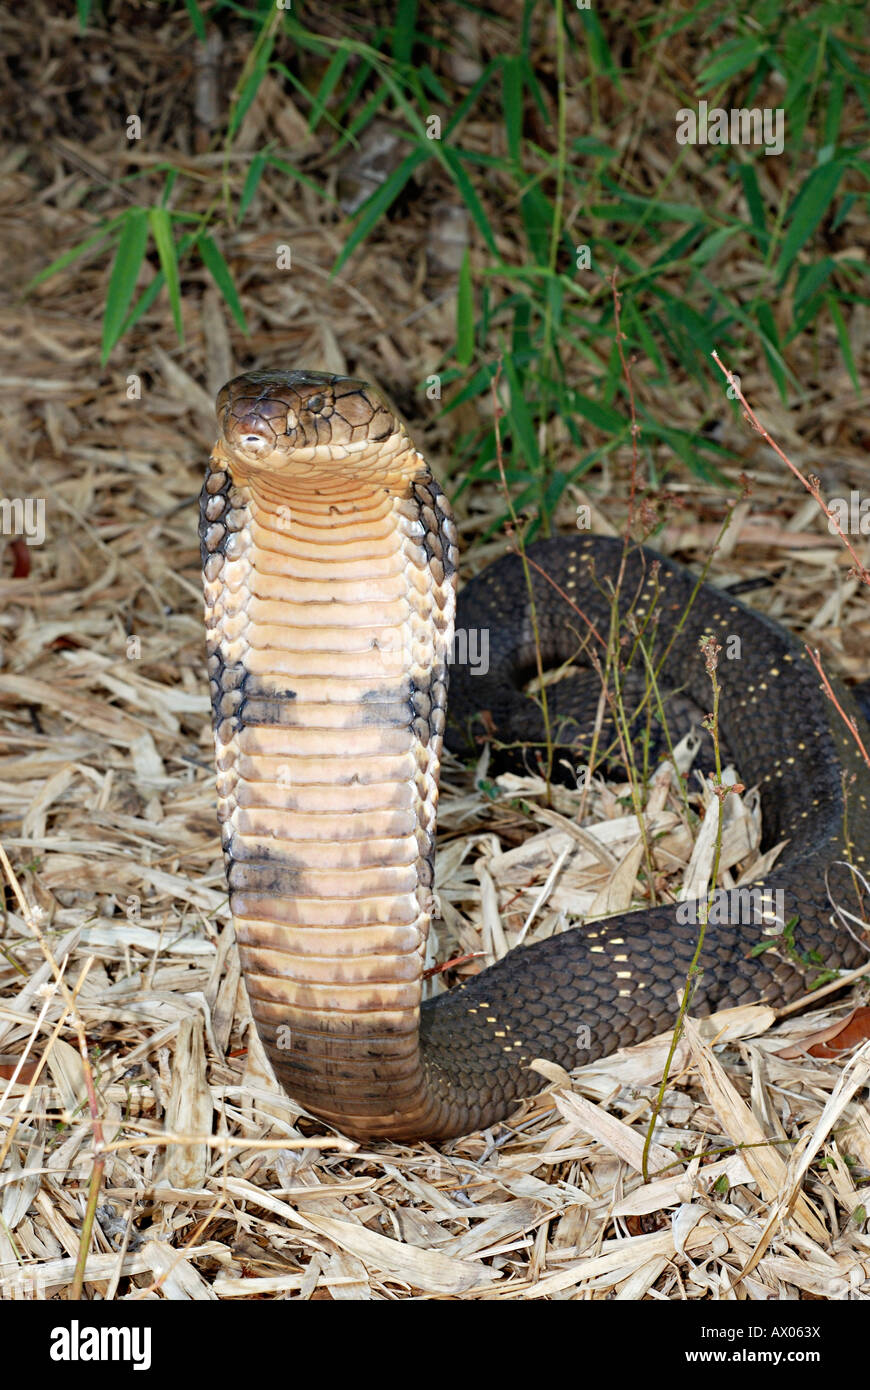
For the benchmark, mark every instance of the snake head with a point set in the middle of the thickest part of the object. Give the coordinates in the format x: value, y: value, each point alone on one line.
x: 265, y: 417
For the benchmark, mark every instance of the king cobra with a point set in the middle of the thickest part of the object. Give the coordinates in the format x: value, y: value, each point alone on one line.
x: 329, y: 566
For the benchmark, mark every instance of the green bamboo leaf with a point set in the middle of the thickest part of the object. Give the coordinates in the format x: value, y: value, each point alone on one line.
x: 537, y: 213
x: 148, y: 296
x: 196, y: 19
x: 810, y: 278
x: 755, y: 204
x: 252, y: 86
x: 296, y: 85
x: 161, y: 229
x: 621, y: 257
x: 634, y: 322
x: 731, y: 58
x: 468, y: 102
x: 534, y: 87
x: 327, y: 86
x: 219, y: 271
x: 633, y: 203
x: 553, y: 495
x: 144, y: 302
x: 410, y: 108
x: 69, y: 256
x: 374, y: 208
x: 465, y: 314
x: 363, y: 117
x: 512, y: 94
x: 122, y: 282
x: 610, y: 421
x: 477, y: 386
x: 675, y: 251
x: 469, y: 197
x: 808, y: 209
x: 844, y: 207
x: 432, y: 84
x: 843, y: 335
x: 800, y: 61
x: 252, y: 181
x: 404, y: 30
x: 772, y: 348
x: 613, y: 376
x: 556, y: 303
x: 834, y: 109
x: 298, y: 177
x: 521, y: 342
x: 713, y: 244
x: 804, y: 316
x: 595, y: 148
x: 520, y: 417
x: 685, y: 446
x: 171, y: 176
x: 599, y: 53
x: 349, y: 95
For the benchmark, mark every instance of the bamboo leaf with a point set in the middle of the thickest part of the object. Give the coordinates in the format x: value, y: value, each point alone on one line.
x: 404, y: 29
x: 755, y: 204
x: 327, y: 86
x: 217, y: 267
x: 125, y: 272
x: 465, y: 314
x: 469, y: 197
x: 148, y: 296
x: 713, y: 244
x: 252, y: 180
x: 808, y: 209
x: 599, y: 53
x: 512, y: 93
x: 520, y: 417
x: 69, y: 256
x: 843, y: 335
x: 772, y: 347
x: 161, y: 228
x: 298, y: 177
x: 372, y: 210
x: 196, y: 19
x: 610, y: 421
x: 810, y: 278
x: 537, y: 213
x: 730, y: 59
x: 252, y: 86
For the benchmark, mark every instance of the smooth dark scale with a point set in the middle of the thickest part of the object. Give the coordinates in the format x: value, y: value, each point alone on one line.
x: 545, y: 996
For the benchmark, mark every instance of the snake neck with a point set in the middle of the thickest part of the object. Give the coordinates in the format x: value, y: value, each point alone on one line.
x: 329, y: 608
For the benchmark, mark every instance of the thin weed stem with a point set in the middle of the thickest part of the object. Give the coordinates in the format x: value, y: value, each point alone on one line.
x: 545, y: 712
x: 711, y: 649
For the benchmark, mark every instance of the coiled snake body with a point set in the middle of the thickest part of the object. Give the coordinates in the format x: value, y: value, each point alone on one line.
x: 329, y: 563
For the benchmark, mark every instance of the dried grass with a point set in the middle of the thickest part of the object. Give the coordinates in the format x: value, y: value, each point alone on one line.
x: 214, y: 1186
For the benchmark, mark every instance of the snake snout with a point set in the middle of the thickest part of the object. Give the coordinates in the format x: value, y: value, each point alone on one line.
x: 252, y: 437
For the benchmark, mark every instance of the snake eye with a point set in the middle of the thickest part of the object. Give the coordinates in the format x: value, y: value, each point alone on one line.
x: 314, y: 403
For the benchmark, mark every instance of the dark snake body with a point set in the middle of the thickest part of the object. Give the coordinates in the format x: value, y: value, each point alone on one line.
x: 579, y: 995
